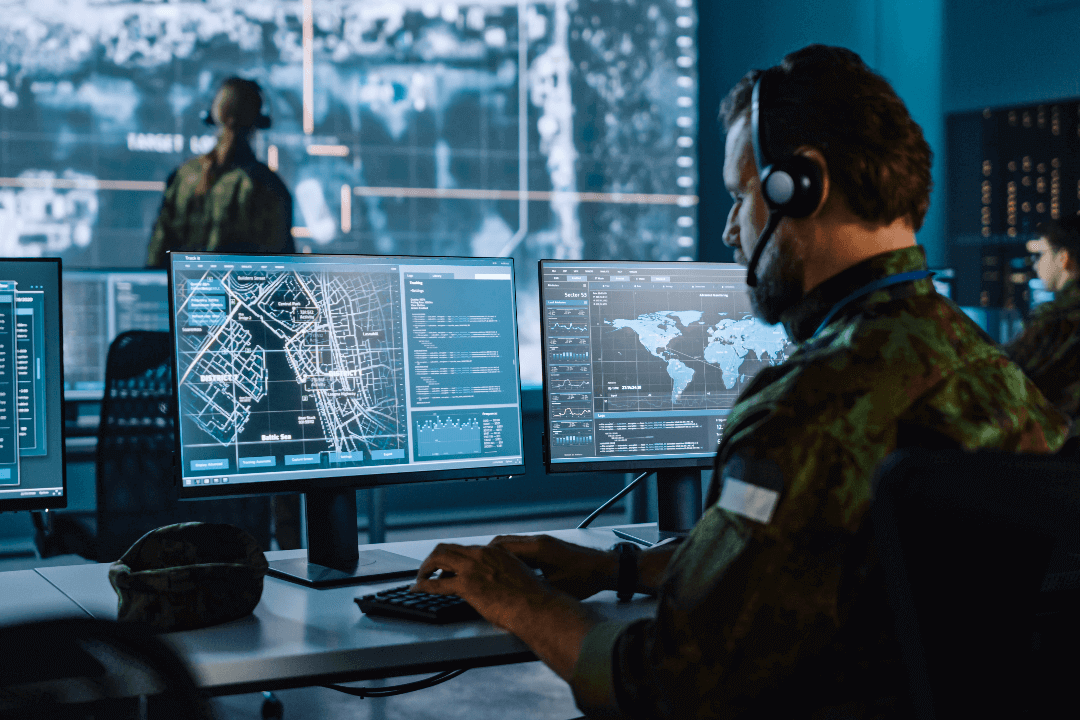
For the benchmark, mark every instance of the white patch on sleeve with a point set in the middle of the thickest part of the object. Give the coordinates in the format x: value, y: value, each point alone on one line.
x: 750, y: 501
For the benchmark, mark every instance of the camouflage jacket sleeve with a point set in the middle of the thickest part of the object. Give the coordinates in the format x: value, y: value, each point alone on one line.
x: 250, y: 214
x: 746, y: 603
x: 1048, y: 350
x: 162, y: 238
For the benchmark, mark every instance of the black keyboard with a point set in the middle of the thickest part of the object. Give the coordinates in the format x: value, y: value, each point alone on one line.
x: 399, y: 602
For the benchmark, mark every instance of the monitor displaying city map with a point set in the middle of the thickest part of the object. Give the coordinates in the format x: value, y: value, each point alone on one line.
x: 301, y: 369
x: 561, y: 128
x: 644, y: 361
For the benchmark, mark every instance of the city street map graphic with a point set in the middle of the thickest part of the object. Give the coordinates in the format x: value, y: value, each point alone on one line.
x: 305, y: 360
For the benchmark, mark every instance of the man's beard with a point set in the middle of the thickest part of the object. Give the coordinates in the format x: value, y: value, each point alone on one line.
x: 781, y: 285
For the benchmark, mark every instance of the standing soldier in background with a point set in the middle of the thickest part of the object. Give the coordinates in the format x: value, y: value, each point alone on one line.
x: 1048, y: 350
x: 225, y: 200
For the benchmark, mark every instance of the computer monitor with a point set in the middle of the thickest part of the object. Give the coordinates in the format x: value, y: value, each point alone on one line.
x: 321, y: 374
x: 643, y: 362
x: 100, y: 304
x: 32, y: 469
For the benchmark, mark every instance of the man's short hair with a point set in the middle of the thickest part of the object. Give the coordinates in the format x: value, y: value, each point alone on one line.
x: 1062, y: 234
x: 827, y: 98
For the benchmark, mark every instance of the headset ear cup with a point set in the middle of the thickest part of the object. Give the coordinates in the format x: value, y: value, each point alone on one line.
x: 263, y: 121
x: 798, y: 197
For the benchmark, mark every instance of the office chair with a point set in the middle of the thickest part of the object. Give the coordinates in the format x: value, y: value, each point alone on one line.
x: 965, y: 541
x: 79, y: 668
x: 135, y: 488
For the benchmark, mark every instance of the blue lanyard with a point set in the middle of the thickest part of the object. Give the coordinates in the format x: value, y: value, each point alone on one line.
x: 867, y: 289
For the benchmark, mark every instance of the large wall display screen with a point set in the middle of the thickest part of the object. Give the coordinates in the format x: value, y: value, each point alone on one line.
x: 556, y: 129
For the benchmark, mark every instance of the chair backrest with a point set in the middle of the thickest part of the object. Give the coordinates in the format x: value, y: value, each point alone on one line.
x: 136, y: 490
x: 80, y: 668
x: 965, y: 540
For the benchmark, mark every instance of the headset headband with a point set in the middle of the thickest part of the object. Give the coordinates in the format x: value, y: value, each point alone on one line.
x: 757, y: 126
x: 262, y: 120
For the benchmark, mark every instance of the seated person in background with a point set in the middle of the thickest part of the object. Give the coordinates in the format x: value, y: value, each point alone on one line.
x: 777, y: 609
x: 1049, y: 348
x: 225, y: 200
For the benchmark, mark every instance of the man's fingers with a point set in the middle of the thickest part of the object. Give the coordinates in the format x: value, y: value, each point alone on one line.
x: 452, y: 560
x: 443, y: 585
x: 444, y: 557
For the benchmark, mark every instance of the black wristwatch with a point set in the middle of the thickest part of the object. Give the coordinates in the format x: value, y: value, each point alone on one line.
x: 626, y: 584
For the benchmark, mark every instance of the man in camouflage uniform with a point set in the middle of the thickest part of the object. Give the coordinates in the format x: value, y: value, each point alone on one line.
x: 774, y: 605
x: 1049, y: 348
x: 226, y: 200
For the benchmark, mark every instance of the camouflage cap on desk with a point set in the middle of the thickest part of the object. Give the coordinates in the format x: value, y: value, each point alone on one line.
x: 190, y: 575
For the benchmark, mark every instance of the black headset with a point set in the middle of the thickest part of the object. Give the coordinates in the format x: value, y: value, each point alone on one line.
x: 792, y: 186
x: 262, y: 122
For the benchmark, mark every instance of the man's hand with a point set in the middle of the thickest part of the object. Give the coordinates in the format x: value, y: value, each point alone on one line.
x: 576, y: 570
x: 497, y: 584
x: 508, y: 594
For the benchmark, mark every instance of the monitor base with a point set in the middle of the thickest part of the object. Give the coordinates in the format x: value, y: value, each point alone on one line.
x: 373, y: 566
x: 647, y: 536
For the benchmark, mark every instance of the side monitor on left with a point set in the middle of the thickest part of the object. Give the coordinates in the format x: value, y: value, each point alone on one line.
x: 32, y: 475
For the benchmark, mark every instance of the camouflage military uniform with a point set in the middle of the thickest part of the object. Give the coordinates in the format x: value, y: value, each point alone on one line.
x: 248, y: 209
x: 787, y: 617
x: 1049, y: 349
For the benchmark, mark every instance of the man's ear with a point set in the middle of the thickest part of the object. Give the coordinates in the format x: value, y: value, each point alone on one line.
x: 815, y: 156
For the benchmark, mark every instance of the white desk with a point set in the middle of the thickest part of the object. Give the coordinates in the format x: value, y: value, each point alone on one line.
x: 298, y: 636
x: 25, y: 595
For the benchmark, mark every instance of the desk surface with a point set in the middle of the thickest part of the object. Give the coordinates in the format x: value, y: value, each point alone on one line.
x: 25, y: 595
x: 298, y: 636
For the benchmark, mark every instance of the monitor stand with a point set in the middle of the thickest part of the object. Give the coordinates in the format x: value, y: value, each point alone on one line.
x: 334, y: 557
x: 678, y: 505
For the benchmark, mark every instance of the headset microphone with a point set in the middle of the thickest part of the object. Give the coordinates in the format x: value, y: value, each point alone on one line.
x: 763, y: 239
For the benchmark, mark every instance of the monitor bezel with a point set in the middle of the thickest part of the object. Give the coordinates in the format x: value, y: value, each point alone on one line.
x: 620, y: 464
x: 53, y: 502
x: 359, y: 481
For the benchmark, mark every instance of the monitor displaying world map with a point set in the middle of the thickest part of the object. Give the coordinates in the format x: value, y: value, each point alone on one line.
x: 558, y: 129
x: 644, y: 361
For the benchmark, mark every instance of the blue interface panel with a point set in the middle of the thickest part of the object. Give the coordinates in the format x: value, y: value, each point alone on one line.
x: 293, y: 367
x: 643, y: 361
x: 9, y: 428
x: 98, y: 306
x: 31, y: 444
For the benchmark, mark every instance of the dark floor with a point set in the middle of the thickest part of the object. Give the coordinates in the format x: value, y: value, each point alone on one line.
x: 526, y: 691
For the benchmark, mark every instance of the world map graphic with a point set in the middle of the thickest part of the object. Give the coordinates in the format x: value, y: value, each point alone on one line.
x: 729, y: 343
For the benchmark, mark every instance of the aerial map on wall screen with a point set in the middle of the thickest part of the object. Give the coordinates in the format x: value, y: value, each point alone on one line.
x: 558, y: 129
